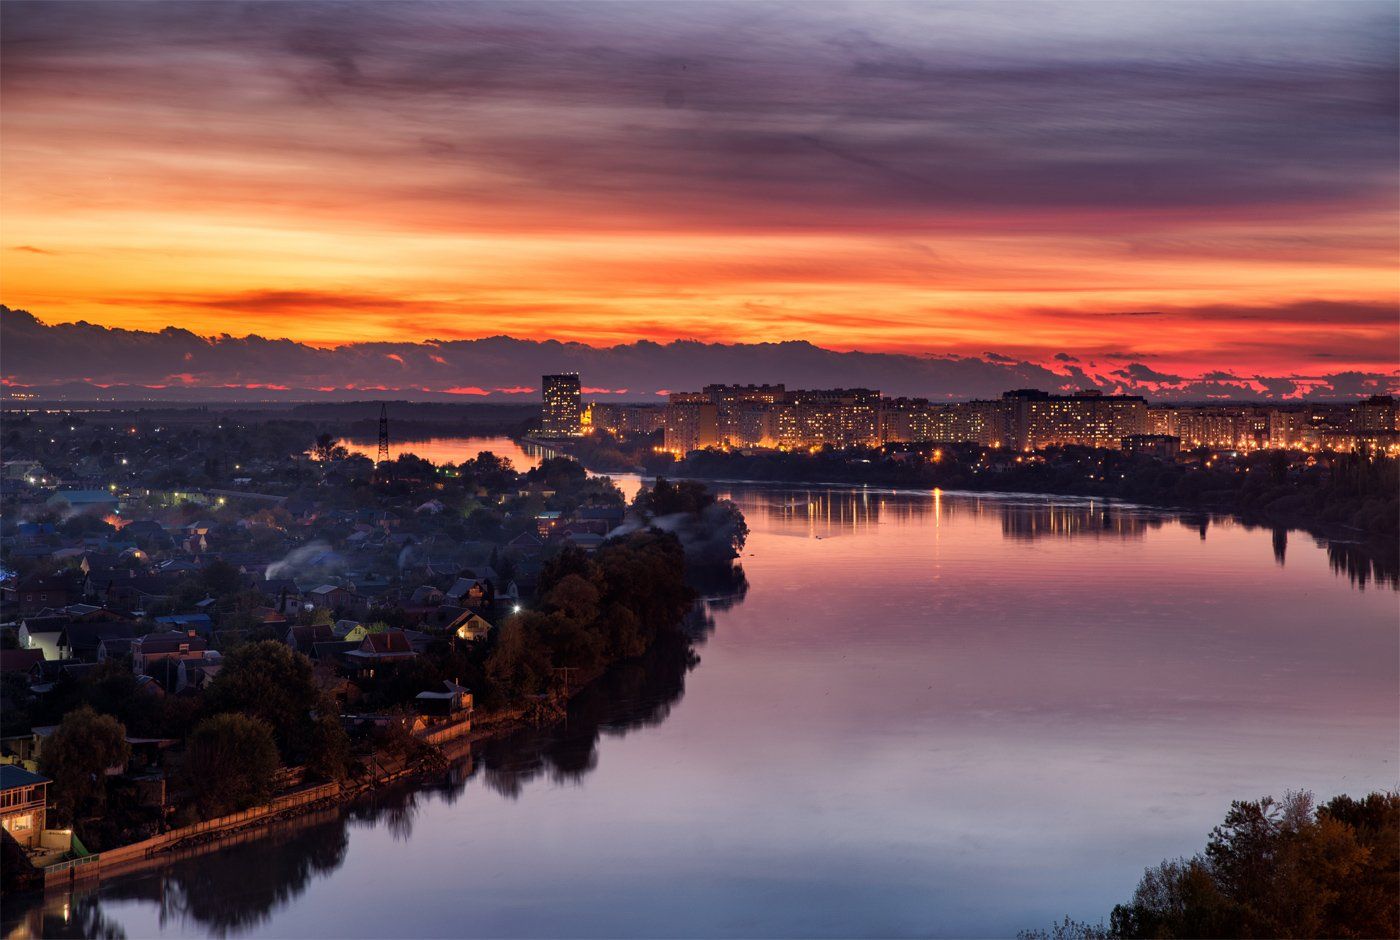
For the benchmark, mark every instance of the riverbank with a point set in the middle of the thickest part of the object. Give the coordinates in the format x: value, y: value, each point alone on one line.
x: 451, y: 743
x: 1334, y: 495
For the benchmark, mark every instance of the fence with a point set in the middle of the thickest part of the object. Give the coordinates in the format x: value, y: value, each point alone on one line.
x: 57, y: 874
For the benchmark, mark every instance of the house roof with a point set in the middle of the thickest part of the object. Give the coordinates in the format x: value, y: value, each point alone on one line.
x: 390, y: 641
x: 168, y: 642
x: 13, y: 776
x: 19, y: 660
x: 78, y: 635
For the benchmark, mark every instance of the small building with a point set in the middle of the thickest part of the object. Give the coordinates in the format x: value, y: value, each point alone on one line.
x: 1161, y: 446
x: 471, y: 626
x: 452, y: 701
x: 200, y: 623
x: 158, y: 647
x: 469, y: 592
x: 24, y: 801
x: 377, y: 651
x: 333, y: 597
x: 303, y: 638
x: 35, y: 594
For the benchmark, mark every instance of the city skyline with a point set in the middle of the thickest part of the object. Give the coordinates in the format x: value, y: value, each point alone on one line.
x: 1183, y: 191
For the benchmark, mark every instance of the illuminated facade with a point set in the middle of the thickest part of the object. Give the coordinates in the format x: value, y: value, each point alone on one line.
x: 838, y: 417
x: 1037, y: 419
x: 747, y: 414
x: 563, y: 413
x: 627, y: 420
x: 1377, y: 413
x: 1023, y: 419
x: 692, y: 423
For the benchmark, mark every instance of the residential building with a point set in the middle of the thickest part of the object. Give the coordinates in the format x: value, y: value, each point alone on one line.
x: 24, y: 804
x: 563, y: 414
x: 692, y: 423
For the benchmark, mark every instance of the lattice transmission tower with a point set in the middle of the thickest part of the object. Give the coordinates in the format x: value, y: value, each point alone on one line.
x: 383, y: 434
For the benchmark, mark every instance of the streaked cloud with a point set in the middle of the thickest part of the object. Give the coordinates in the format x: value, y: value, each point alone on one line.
x: 1202, y: 185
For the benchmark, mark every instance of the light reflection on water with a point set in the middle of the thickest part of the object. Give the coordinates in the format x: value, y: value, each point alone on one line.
x: 934, y: 714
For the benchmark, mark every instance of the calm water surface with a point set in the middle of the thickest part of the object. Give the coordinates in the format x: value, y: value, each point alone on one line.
x: 440, y: 450
x: 925, y: 714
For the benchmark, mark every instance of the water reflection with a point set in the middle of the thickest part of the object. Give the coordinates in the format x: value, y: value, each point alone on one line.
x: 829, y: 513
x: 891, y: 734
x: 230, y: 890
x: 1364, y: 564
x: 634, y: 695
x: 455, y: 450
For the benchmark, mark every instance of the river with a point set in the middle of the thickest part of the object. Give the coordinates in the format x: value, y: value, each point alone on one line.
x: 923, y: 714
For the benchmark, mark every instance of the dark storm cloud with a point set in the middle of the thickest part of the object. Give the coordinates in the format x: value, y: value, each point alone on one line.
x: 747, y: 114
x: 38, y: 355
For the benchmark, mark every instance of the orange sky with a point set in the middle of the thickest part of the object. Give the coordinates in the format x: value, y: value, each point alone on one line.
x: 164, y: 169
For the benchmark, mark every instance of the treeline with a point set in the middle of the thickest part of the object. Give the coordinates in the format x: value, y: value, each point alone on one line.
x: 594, y: 610
x: 264, y: 711
x: 1273, y: 868
x: 1356, y: 490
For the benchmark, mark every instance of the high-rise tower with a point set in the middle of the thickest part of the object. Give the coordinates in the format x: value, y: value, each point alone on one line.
x: 562, y: 415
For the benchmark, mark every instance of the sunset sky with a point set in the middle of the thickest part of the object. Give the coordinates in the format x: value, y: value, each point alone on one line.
x: 1194, y: 187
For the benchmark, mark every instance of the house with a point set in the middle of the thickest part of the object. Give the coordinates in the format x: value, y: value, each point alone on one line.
x: 202, y: 624
x: 332, y: 652
x: 470, y: 592
x: 471, y: 626
x: 132, y: 593
x: 304, y: 638
x: 349, y: 630
x: 333, y: 597
x: 166, y: 645
x: 526, y: 543
x: 585, y: 527
x: 588, y: 541
x: 547, y: 521
x: 426, y: 596
x: 480, y: 573
x: 451, y: 701
x: 148, y: 531
x: 377, y: 651
x: 80, y: 640
x: 34, y: 594
x: 113, y: 648
x: 20, y: 660
x: 41, y: 633
x: 611, y: 516
x: 24, y: 801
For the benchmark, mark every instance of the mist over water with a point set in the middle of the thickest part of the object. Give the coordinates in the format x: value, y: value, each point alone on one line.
x: 913, y: 714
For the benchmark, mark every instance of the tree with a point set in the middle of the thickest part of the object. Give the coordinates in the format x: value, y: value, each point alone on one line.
x: 76, y: 757
x: 271, y: 681
x: 518, y: 665
x: 666, y: 498
x: 230, y: 762
x: 327, y: 450
x: 1279, y: 868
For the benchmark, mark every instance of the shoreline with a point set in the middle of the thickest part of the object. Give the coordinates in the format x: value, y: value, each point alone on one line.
x: 1336, y: 532
x: 258, y: 821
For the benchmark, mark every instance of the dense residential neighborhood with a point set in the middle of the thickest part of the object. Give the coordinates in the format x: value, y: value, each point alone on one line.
x: 178, y: 592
